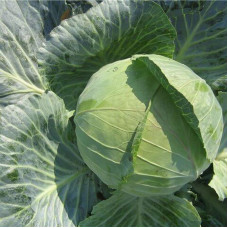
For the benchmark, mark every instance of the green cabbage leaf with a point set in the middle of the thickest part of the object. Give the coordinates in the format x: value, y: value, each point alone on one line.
x: 43, y: 179
x: 23, y: 27
x: 126, y: 210
x: 219, y: 180
x: 201, y: 40
x: 110, y: 31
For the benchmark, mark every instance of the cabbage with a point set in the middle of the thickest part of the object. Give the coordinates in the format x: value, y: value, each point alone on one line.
x: 147, y: 125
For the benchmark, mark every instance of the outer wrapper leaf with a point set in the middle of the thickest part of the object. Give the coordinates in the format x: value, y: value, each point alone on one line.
x: 188, y: 93
x: 126, y: 210
x: 113, y: 30
x: 43, y: 180
x: 23, y: 27
x: 201, y: 37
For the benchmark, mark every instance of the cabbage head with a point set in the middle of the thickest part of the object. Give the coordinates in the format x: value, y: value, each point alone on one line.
x: 148, y: 125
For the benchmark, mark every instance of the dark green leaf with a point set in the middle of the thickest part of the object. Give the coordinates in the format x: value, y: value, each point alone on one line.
x: 201, y: 37
x: 126, y: 210
x: 113, y: 30
x: 43, y: 180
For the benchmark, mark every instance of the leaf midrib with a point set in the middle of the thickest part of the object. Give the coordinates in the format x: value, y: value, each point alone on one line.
x: 18, y: 78
x: 188, y: 41
x: 50, y: 190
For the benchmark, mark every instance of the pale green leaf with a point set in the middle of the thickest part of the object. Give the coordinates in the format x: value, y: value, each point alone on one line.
x: 23, y: 25
x: 219, y: 180
x: 126, y: 210
x: 110, y: 31
x: 222, y: 98
x: 188, y: 93
x: 201, y: 37
x: 43, y: 180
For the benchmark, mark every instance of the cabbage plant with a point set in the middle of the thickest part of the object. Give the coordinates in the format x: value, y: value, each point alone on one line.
x: 113, y: 113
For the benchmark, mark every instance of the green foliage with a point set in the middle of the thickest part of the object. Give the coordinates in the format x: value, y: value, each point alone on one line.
x: 41, y: 167
x: 122, y: 209
x: 146, y: 125
x: 111, y: 31
x: 201, y: 37
x: 219, y: 181
x: 23, y: 27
